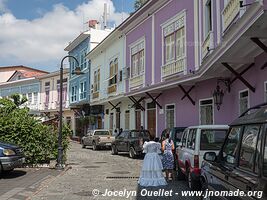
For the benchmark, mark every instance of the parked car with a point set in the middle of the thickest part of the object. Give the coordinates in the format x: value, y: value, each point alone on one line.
x: 11, y: 157
x: 97, y: 138
x: 242, y: 161
x: 130, y: 141
x: 197, y: 140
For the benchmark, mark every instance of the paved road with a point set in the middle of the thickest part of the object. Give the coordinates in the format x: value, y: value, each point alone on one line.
x: 23, y: 183
x: 100, y: 171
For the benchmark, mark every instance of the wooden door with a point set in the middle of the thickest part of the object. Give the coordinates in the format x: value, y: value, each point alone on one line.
x: 99, y: 122
x: 151, y: 121
x: 138, y: 119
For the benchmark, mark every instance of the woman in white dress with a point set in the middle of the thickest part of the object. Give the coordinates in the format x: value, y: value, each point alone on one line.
x: 151, y: 174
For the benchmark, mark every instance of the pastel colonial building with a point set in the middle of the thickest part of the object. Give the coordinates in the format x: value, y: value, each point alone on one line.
x: 24, y: 81
x: 179, y: 52
x: 108, y: 86
x: 49, y: 98
x: 79, y: 85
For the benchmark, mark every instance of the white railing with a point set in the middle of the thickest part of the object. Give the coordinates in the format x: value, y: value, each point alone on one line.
x: 207, y: 44
x: 137, y: 81
x: 173, y: 68
x: 230, y: 12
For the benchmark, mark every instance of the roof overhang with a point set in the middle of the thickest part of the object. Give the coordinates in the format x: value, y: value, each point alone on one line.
x: 77, y: 41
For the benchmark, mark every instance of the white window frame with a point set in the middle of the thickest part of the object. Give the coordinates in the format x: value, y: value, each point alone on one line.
x: 241, y: 91
x: 30, y: 102
x: 73, y: 93
x: 96, y: 83
x: 133, y: 45
x: 205, y: 17
x: 199, y: 109
x: 265, y: 91
x: 83, y: 52
x: 35, y: 101
x: 82, y: 90
x: 166, y: 105
x: 167, y: 23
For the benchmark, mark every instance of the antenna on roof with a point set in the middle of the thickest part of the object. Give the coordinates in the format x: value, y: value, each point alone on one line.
x: 122, y: 8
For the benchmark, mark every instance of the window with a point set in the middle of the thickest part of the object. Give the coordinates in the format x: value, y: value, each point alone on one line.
x: 83, y: 61
x: 170, y: 116
x: 47, y: 96
x: 184, y: 137
x: 96, y: 84
x: 30, y: 98
x: 208, y: 18
x: 113, y: 72
x: 174, y: 39
x: 206, y: 112
x: 265, y: 91
x: 137, y: 60
x: 191, y: 141
x: 83, y: 90
x: 64, y: 90
x: 231, y: 145
x: 35, y: 98
x: 73, y: 93
x: 265, y: 155
x: 248, y: 147
x: 212, y: 139
x: 127, y: 119
x: 169, y: 49
x: 243, y: 101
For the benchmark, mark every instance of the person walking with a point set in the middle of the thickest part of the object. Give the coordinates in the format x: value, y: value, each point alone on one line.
x: 168, y: 159
x: 151, y: 173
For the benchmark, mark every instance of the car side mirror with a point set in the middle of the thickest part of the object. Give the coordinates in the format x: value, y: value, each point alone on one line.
x: 210, y: 156
x: 230, y: 159
x: 179, y: 144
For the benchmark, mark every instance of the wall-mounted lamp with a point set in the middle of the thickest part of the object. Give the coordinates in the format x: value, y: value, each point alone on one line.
x: 219, y: 93
x: 218, y: 97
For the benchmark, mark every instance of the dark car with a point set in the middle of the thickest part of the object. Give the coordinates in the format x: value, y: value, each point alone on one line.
x: 11, y: 157
x: 176, y: 135
x: 242, y: 161
x: 130, y: 141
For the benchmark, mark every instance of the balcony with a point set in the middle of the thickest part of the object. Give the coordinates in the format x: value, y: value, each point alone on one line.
x: 95, y: 95
x: 230, y: 12
x: 137, y: 81
x: 112, y: 89
x: 207, y: 44
x: 173, y: 68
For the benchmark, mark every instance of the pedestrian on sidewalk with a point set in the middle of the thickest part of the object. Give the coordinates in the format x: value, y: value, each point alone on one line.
x: 151, y: 174
x: 168, y: 158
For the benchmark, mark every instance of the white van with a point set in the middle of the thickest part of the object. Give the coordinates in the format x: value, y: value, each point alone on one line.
x: 197, y: 140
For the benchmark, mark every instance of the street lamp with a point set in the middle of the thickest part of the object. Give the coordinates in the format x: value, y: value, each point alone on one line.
x: 59, y: 164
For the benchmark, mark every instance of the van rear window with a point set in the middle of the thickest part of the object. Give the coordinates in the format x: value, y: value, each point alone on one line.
x: 102, y: 133
x: 212, y: 139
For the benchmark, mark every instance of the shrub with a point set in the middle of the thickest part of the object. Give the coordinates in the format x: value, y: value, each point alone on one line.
x: 39, y: 142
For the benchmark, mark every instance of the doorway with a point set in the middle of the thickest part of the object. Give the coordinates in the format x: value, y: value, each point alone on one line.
x: 151, y: 118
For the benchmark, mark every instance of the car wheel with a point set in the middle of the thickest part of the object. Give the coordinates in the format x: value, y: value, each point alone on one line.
x: 114, y: 150
x: 94, y: 146
x: 192, y: 184
x: 83, y: 146
x: 131, y: 152
x: 180, y: 174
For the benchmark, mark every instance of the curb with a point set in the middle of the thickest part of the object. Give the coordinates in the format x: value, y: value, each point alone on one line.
x: 47, y: 182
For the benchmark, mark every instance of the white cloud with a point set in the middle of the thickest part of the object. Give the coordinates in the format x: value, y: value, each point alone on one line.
x: 41, y: 42
x: 3, y: 6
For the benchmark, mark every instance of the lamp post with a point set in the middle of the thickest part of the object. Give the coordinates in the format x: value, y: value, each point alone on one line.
x: 59, y: 164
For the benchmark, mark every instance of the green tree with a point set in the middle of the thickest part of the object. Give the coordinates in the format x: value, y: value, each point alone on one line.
x: 18, y: 100
x: 139, y: 3
x: 39, y: 142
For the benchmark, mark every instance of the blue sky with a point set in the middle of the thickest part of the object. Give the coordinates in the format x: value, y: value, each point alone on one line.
x: 34, y: 33
x: 31, y: 9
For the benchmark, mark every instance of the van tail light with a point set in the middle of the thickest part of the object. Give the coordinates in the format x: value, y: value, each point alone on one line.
x: 141, y: 142
x: 196, y: 161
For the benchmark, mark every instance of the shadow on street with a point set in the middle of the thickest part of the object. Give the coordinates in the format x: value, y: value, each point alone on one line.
x: 12, y: 174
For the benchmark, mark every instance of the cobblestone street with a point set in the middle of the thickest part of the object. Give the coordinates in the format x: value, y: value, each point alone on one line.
x: 99, y: 170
